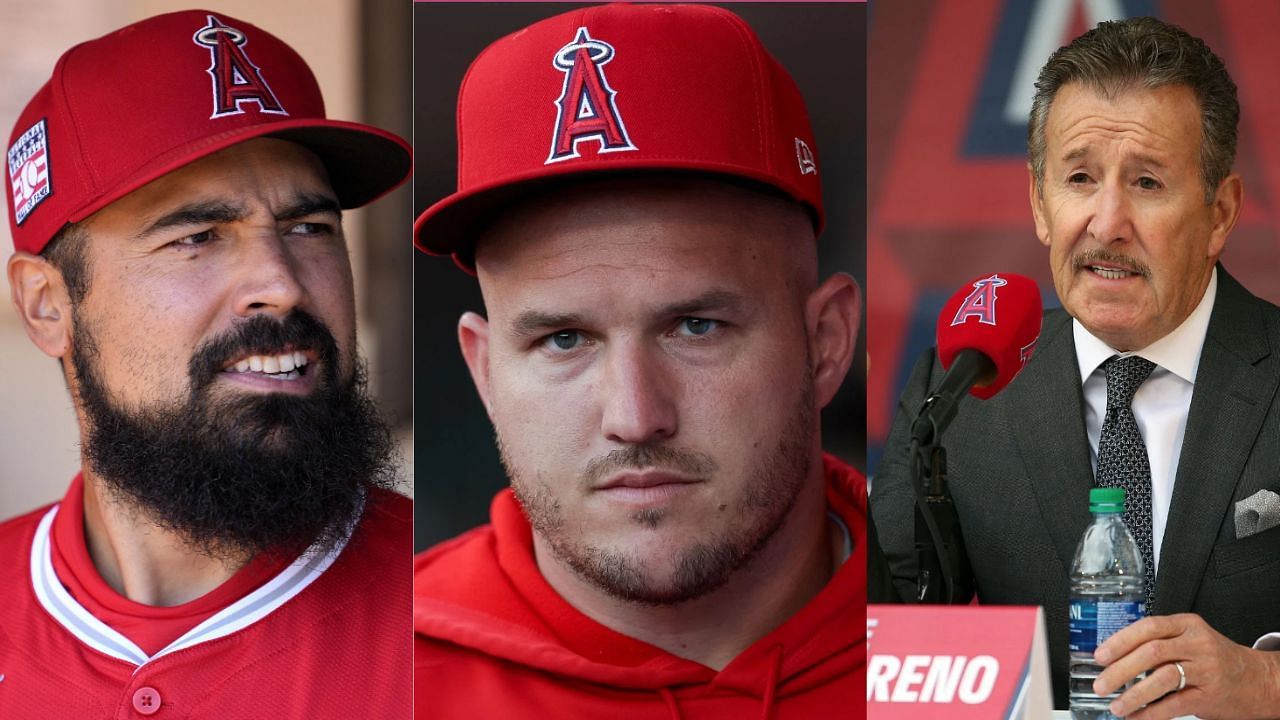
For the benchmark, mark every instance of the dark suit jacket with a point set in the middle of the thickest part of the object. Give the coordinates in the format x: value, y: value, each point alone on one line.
x: 1020, y: 474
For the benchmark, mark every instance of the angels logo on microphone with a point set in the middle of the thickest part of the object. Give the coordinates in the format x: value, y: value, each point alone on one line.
x: 586, y: 108
x: 236, y: 80
x: 981, y: 303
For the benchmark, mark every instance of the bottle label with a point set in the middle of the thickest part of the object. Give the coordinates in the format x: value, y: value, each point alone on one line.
x: 1091, y: 622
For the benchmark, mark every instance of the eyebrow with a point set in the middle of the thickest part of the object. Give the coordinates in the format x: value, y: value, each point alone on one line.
x: 537, y: 322
x: 714, y: 299
x: 304, y: 204
x: 197, y: 213
x: 1141, y: 158
x: 221, y: 211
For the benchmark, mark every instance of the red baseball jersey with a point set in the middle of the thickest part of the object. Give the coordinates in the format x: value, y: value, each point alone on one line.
x: 323, y: 638
x: 495, y: 640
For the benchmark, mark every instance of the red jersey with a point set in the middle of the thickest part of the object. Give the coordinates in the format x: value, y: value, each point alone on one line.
x: 321, y: 638
x: 494, y: 640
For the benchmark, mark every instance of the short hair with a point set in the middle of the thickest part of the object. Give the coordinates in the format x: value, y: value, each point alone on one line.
x: 1144, y: 52
x: 66, y: 252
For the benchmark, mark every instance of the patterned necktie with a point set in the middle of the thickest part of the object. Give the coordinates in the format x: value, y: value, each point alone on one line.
x: 1122, y: 455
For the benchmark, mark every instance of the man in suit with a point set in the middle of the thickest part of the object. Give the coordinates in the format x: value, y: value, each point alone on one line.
x: 1131, y: 145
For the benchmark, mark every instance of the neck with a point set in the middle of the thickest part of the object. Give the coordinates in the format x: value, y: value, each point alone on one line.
x: 141, y: 561
x: 792, y: 568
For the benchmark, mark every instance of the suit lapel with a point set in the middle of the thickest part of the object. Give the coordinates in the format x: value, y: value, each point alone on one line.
x: 1048, y: 425
x: 1233, y: 391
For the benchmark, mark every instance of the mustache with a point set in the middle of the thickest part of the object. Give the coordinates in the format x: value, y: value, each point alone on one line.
x: 264, y: 335
x: 1100, y: 255
x: 642, y: 457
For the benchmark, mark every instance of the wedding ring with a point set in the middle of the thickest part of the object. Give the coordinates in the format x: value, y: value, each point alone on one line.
x: 1182, y: 676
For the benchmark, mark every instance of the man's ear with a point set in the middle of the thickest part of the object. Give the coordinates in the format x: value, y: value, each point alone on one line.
x: 1227, y: 202
x: 831, y: 315
x: 1035, y: 193
x: 473, y: 336
x: 43, y: 303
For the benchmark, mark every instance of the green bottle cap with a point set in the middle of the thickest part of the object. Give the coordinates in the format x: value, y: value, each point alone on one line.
x: 1109, y: 499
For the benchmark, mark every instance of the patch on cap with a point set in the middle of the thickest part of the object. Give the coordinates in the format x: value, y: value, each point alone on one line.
x: 236, y: 79
x: 29, y: 170
x: 585, y: 108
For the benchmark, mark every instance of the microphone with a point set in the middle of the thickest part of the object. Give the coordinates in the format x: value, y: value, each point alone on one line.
x: 986, y: 333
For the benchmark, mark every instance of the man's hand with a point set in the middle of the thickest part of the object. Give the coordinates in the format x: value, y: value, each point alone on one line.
x: 1224, y: 680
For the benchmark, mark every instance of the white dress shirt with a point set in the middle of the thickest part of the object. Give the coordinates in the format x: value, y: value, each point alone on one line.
x: 1160, y: 405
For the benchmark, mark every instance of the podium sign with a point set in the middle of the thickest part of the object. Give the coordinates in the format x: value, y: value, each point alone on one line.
x: 955, y: 661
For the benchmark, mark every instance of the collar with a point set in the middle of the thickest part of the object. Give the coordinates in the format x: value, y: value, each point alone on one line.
x: 1178, y: 352
x: 76, y: 619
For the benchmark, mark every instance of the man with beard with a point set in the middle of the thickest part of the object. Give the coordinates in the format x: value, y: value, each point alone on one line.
x: 1158, y: 375
x: 182, y: 256
x: 657, y: 347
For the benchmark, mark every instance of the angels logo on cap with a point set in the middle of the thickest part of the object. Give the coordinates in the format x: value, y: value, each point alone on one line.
x: 586, y: 108
x: 236, y: 79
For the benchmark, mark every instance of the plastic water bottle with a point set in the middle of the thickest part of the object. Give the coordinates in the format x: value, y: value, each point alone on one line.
x: 1106, y: 595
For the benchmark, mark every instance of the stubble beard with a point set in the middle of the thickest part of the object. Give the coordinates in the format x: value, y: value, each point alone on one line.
x: 701, y: 567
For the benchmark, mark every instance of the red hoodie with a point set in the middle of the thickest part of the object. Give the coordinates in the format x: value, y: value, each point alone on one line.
x: 494, y: 640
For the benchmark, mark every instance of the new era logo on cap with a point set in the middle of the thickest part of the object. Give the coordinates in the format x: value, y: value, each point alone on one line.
x: 29, y: 170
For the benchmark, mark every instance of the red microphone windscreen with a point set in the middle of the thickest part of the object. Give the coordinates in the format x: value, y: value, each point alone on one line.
x: 998, y: 315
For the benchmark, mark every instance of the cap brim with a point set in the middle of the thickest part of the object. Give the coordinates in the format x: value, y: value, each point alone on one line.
x: 451, y: 226
x: 363, y: 162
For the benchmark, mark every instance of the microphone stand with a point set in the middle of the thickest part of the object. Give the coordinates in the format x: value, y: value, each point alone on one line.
x: 941, y: 559
x: 942, y: 575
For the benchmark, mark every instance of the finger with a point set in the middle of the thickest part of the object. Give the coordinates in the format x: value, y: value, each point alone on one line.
x: 1176, y: 705
x: 1162, y: 680
x: 1143, y: 631
x: 1142, y: 659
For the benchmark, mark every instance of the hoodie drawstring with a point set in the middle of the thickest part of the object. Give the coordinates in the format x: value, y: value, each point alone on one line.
x: 672, y: 706
x: 771, y: 683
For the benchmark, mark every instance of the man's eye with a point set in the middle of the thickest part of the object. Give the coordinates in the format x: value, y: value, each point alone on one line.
x: 696, y: 326
x: 563, y: 340
x: 1148, y: 183
x: 195, y: 240
x: 1078, y: 178
x: 310, y: 228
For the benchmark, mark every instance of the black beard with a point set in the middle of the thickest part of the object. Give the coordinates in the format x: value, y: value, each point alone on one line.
x: 234, y: 477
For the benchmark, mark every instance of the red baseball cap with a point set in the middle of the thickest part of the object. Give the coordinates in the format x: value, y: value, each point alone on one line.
x: 621, y: 88
x: 145, y: 100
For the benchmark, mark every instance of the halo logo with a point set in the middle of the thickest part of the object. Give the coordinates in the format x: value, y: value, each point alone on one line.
x: 586, y: 108
x: 236, y: 79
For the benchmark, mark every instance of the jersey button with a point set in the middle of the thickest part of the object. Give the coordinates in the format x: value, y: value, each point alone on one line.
x: 146, y: 701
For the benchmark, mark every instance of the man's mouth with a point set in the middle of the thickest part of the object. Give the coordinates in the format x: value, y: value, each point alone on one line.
x: 1111, y: 272
x: 280, y: 366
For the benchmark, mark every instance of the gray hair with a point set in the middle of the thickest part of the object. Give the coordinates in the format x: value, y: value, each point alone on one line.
x: 1149, y: 53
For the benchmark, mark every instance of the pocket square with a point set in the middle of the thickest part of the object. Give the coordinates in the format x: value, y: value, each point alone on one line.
x: 1256, y: 513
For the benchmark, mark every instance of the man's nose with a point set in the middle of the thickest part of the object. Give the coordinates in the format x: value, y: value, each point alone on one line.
x: 637, y: 395
x: 1112, y: 219
x: 268, y: 277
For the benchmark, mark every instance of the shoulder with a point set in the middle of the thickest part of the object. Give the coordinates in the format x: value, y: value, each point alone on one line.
x: 16, y: 533
x: 462, y: 556
x: 387, y: 516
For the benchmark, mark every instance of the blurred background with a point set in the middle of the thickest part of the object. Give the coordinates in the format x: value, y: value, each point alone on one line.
x: 949, y: 92
x: 821, y: 44
x: 360, y: 54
